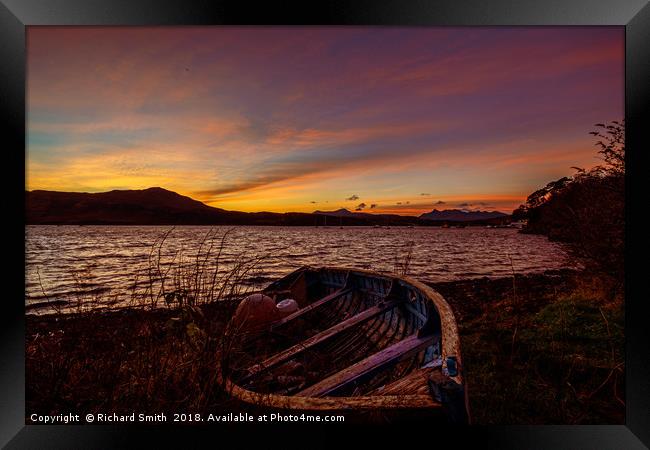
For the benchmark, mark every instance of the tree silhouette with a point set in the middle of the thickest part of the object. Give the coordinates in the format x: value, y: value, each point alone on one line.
x: 586, y: 211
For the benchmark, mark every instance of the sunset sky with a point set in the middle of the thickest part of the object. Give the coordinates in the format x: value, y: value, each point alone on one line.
x: 299, y: 119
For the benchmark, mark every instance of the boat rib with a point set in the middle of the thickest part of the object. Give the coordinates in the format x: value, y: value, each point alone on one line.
x: 323, y: 336
x: 306, y: 309
x: 375, y: 362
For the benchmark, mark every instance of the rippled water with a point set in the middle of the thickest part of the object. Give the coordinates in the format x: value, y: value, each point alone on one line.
x: 109, y: 263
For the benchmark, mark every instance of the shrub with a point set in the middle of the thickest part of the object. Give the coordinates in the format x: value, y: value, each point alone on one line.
x: 587, y: 210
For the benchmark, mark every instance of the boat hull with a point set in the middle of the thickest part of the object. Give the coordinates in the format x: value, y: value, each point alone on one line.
x: 387, y: 342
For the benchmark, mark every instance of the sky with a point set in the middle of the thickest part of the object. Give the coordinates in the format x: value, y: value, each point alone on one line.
x: 375, y: 119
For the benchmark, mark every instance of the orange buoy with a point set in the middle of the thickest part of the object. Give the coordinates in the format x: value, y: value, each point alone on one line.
x: 255, y: 311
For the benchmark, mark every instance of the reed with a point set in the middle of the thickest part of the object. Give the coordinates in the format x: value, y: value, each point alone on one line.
x: 159, y: 353
x: 403, y: 258
x: 177, y: 279
x: 536, y: 349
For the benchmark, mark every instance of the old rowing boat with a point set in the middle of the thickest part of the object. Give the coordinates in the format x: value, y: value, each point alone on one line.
x: 357, y: 340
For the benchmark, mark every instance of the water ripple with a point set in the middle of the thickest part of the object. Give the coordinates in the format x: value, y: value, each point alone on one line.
x: 109, y: 260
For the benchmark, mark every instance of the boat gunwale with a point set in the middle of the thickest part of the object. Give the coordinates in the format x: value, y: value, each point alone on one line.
x: 450, y: 347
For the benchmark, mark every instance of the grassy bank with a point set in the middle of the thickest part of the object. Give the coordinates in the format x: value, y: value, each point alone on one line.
x: 129, y: 360
x: 537, y: 349
x: 542, y: 349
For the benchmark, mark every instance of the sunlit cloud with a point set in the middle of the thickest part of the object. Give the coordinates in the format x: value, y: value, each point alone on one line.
x: 280, y: 119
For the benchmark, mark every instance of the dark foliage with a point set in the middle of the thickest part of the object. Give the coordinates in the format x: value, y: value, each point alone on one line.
x: 587, y: 210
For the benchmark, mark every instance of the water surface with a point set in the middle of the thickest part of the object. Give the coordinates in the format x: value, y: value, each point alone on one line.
x: 110, y: 263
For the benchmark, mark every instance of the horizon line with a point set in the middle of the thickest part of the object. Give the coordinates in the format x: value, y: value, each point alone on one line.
x: 315, y: 211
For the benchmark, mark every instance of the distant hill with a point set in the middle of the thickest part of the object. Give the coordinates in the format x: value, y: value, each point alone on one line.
x: 158, y: 206
x: 341, y: 213
x: 458, y: 215
x: 347, y: 213
x: 153, y: 205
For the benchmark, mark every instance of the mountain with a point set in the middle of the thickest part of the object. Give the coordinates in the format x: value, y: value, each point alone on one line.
x: 376, y: 219
x: 153, y: 206
x: 458, y: 215
x: 341, y: 213
x: 158, y: 206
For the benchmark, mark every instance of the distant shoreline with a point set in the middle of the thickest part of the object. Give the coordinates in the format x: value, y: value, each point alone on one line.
x: 158, y: 206
x: 434, y: 224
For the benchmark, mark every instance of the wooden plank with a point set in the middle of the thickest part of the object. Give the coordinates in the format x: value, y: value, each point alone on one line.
x: 414, y: 383
x: 378, y: 361
x: 413, y: 310
x: 335, y: 330
x: 311, y: 307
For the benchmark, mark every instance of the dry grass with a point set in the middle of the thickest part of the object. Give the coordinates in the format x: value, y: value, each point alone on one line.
x: 197, y: 277
x: 153, y: 361
x: 533, y: 353
x: 566, y: 365
x: 403, y: 258
x: 159, y: 354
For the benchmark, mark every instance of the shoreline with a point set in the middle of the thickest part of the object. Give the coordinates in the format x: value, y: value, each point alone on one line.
x: 160, y: 360
x: 452, y: 288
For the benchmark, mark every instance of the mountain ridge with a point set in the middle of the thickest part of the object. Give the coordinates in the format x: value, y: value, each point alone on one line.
x: 461, y: 215
x: 159, y: 206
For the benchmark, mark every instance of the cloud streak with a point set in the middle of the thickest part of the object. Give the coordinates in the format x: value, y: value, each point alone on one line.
x: 277, y: 118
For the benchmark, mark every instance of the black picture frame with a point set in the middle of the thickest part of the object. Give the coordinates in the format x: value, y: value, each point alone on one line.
x: 15, y: 15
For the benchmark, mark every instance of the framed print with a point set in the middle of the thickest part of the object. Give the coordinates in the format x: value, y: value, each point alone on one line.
x: 271, y: 220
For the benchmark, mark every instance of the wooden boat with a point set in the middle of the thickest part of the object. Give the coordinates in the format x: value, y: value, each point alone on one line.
x: 360, y: 340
